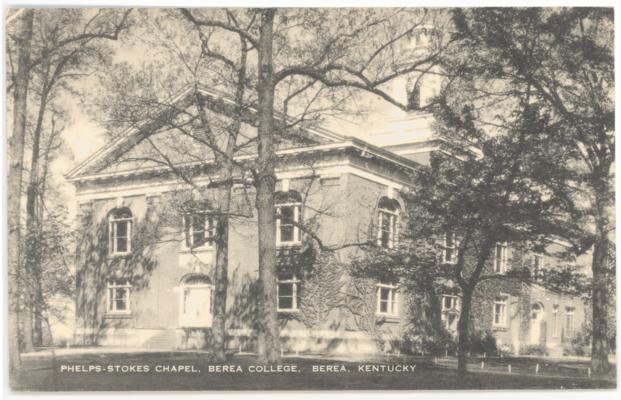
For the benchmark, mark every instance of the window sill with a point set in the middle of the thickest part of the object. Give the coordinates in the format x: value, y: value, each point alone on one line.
x: 288, y: 245
x: 197, y: 250
x: 501, y: 328
x: 288, y: 311
x: 387, y: 318
x: 119, y: 255
x: 118, y: 315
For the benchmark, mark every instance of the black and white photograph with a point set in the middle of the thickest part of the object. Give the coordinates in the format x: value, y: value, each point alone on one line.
x: 358, y: 198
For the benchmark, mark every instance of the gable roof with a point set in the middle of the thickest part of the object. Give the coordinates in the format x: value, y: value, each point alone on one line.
x: 216, y: 101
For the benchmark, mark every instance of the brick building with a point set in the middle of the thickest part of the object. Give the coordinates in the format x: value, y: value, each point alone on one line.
x: 145, y: 263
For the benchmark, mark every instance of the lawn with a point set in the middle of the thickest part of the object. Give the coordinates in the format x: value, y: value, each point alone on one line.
x: 197, y: 371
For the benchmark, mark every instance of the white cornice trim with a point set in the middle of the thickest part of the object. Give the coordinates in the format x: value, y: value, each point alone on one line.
x: 328, y: 169
x: 353, y: 143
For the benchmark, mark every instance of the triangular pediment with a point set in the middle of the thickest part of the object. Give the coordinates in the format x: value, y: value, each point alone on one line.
x: 176, y: 137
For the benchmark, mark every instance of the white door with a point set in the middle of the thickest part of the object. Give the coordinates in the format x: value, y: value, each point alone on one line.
x: 196, y: 307
x: 536, y: 320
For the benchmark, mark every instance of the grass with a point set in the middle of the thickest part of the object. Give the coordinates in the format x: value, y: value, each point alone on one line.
x: 45, y: 375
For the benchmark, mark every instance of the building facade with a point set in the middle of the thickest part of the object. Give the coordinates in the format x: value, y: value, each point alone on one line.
x: 146, y: 254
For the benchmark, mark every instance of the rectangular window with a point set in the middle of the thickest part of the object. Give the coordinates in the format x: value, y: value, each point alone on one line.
x: 500, y: 258
x: 450, y: 303
x: 200, y: 230
x: 120, y: 234
x: 118, y: 296
x: 288, y: 292
x: 537, y: 265
x: 287, y: 224
x: 450, y: 249
x: 387, y: 229
x: 450, y: 312
x: 555, y: 321
x: 500, y: 311
x: 387, y: 300
x: 569, y: 322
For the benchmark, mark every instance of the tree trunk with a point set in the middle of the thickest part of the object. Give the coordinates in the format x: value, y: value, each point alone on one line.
x: 33, y: 261
x: 14, y: 184
x: 600, y: 346
x: 222, y: 252
x: 464, y: 335
x: 221, y: 275
x: 224, y: 199
x: 268, y: 335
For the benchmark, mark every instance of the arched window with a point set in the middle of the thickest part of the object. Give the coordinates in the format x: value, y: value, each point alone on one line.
x: 120, y: 231
x: 288, y: 218
x: 388, y: 222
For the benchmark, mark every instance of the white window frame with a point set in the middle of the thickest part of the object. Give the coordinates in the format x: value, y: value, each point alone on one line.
x: 555, y: 321
x: 210, y: 232
x: 502, y: 322
x: 295, y: 306
x: 455, y: 308
x: 569, y: 317
x: 112, y: 237
x: 455, y: 301
x: 297, y: 212
x: 393, y: 226
x: 454, y: 248
x: 502, y: 268
x: 392, y: 308
x: 112, y: 286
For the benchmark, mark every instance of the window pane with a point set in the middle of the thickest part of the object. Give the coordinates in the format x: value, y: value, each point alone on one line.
x: 121, y: 228
x: 449, y: 240
x: 121, y: 244
x: 383, y: 306
x: 285, y: 289
x: 285, y: 303
x: 384, y: 294
x: 121, y: 305
x: 111, y: 299
x: 121, y: 293
x: 385, y: 239
x: 210, y: 234
x: 287, y: 215
x: 198, y: 222
x: 198, y: 238
x: 286, y: 233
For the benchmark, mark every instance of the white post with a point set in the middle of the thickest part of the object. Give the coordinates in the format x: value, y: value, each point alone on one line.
x: 537, y: 369
x: 509, y: 368
x: 589, y: 372
x: 482, y: 364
